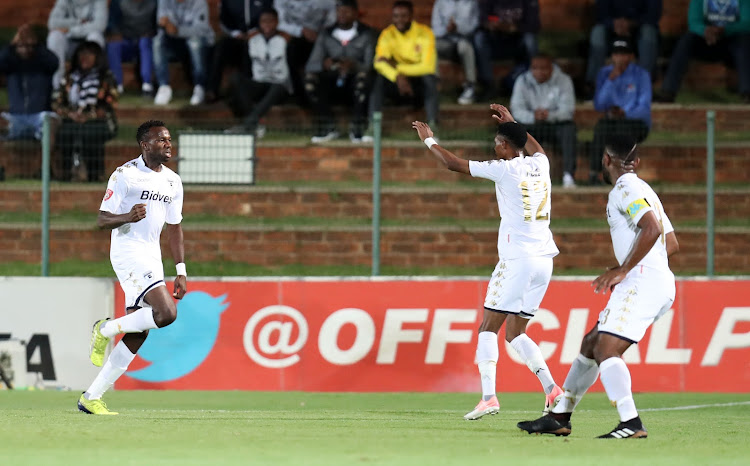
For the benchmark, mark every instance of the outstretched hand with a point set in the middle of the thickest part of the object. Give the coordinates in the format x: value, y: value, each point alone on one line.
x: 503, y: 114
x: 423, y: 129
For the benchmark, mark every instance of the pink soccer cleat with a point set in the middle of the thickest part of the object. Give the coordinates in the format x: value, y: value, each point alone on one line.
x: 552, y: 399
x: 491, y: 406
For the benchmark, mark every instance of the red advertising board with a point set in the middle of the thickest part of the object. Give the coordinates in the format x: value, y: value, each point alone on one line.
x: 414, y: 335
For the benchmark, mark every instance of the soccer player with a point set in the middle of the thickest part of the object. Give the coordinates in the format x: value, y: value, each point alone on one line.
x: 141, y: 196
x: 525, y: 248
x: 643, y: 289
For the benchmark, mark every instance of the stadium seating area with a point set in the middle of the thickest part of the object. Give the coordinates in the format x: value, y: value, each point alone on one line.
x: 433, y: 218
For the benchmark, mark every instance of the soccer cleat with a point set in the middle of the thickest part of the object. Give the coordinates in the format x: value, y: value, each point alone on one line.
x: 552, y: 399
x: 98, y: 344
x: 94, y: 407
x: 546, y: 424
x: 491, y: 406
x: 629, y: 429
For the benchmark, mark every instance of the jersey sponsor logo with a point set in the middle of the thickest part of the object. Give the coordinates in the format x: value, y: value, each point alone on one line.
x: 636, y: 207
x: 147, y: 195
x: 108, y: 194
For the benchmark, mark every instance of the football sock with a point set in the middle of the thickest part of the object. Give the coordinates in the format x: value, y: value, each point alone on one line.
x: 532, y: 356
x: 582, y: 375
x: 487, y: 354
x: 135, y: 322
x: 116, y: 365
x: 617, y: 383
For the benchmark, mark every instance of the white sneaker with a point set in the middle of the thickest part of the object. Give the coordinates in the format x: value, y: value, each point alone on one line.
x: 260, y: 131
x: 330, y: 136
x: 467, y: 96
x: 199, y: 95
x: 364, y: 139
x: 163, y: 95
x: 147, y: 88
x: 568, y: 181
x: 120, y: 89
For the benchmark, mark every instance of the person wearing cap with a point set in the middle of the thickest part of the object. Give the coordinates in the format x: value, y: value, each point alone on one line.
x: 623, y: 96
x: 717, y: 29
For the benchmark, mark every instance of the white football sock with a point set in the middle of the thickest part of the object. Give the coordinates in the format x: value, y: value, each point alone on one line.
x: 487, y: 354
x: 617, y: 383
x: 116, y: 365
x: 582, y: 375
x: 135, y: 322
x: 532, y: 356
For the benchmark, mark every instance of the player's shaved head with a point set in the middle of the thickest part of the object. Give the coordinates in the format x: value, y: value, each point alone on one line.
x: 142, y: 132
x: 620, y: 146
x: 514, y: 133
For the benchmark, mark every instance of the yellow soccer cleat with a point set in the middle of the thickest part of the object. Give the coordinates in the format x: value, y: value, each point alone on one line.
x: 98, y: 344
x: 94, y: 407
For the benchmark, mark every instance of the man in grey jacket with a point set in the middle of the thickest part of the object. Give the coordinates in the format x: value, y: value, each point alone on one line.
x: 72, y: 22
x: 340, y: 66
x: 183, y: 29
x: 454, y: 23
x: 544, y: 101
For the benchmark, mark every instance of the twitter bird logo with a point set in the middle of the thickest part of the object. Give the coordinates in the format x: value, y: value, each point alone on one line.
x: 177, y: 349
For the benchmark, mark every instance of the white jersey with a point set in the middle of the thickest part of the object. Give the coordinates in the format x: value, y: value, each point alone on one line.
x: 522, y: 188
x: 134, y: 183
x: 629, y: 200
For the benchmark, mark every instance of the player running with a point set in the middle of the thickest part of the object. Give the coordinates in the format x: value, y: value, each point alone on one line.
x: 525, y: 248
x: 141, y: 196
x: 643, y: 289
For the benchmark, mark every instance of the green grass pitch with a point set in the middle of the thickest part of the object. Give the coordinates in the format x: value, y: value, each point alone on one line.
x: 292, y: 428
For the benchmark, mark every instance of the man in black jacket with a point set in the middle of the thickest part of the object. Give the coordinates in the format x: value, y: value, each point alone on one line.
x: 340, y: 66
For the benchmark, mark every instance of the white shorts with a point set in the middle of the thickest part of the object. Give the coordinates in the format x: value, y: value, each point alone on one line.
x: 517, y: 286
x: 637, y: 302
x: 138, y: 277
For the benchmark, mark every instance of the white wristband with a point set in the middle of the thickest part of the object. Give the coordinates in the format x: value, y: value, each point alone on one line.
x: 181, y: 269
x: 429, y: 142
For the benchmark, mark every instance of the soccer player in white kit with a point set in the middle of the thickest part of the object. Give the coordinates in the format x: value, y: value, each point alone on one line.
x: 142, y: 195
x: 525, y: 248
x: 643, y: 289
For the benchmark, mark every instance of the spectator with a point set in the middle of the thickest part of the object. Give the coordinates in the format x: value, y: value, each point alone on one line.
x: 86, y: 102
x: 340, y: 66
x: 716, y: 29
x: 454, y: 23
x: 131, y: 31
x: 636, y: 20
x: 183, y: 30
x: 508, y: 30
x: 544, y: 101
x: 29, y: 67
x: 405, y: 61
x: 238, y: 20
x: 623, y: 95
x: 301, y: 21
x: 252, y: 98
x: 72, y: 22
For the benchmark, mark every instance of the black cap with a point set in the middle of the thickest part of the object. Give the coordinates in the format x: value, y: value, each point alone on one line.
x: 621, y: 45
x: 351, y: 3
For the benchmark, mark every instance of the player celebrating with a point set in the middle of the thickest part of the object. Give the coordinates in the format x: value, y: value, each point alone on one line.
x: 141, y: 196
x: 643, y: 288
x: 525, y: 248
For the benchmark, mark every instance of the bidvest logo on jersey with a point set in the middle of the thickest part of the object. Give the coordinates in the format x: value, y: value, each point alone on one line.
x: 147, y: 195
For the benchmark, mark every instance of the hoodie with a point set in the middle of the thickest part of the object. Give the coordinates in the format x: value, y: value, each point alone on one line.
x: 465, y: 14
x: 555, y: 95
x: 80, y: 17
x: 312, y: 14
x: 190, y: 17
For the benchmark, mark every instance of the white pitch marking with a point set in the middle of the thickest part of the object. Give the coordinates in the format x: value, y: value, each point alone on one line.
x: 682, y: 408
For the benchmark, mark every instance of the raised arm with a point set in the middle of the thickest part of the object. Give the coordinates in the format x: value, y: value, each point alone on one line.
x: 503, y: 116
x: 449, y: 160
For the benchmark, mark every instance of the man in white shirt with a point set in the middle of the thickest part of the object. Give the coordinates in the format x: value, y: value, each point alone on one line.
x: 525, y: 248
x: 141, y: 197
x: 643, y: 289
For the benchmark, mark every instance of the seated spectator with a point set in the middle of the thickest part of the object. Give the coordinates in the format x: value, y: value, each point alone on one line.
x: 183, y: 30
x: 454, y: 23
x: 717, y: 29
x: 251, y: 98
x: 130, y: 35
x: 301, y: 21
x: 508, y: 31
x: 623, y: 95
x: 340, y: 68
x: 543, y: 100
x: 72, y: 22
x: 636, y: 20
x: 86, y: 103
x: 28, y: 67
x: 406, y: 62
x: 238, y: 20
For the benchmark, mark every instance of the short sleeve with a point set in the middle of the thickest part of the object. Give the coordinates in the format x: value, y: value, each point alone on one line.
x: 666, y: 224
x: 117, y: 188
x: 631, y: 200
x: 489, y: 169
x: 174, y: 209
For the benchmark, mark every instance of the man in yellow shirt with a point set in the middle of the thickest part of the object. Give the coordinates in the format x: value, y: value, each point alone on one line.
x: 406, y: 62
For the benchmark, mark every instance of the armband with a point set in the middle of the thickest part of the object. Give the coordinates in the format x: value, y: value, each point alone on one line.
x: 181, y: 269
x: 429, y: 142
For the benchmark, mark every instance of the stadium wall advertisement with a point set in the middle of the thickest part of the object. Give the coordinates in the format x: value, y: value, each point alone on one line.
x: 375, y: 335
